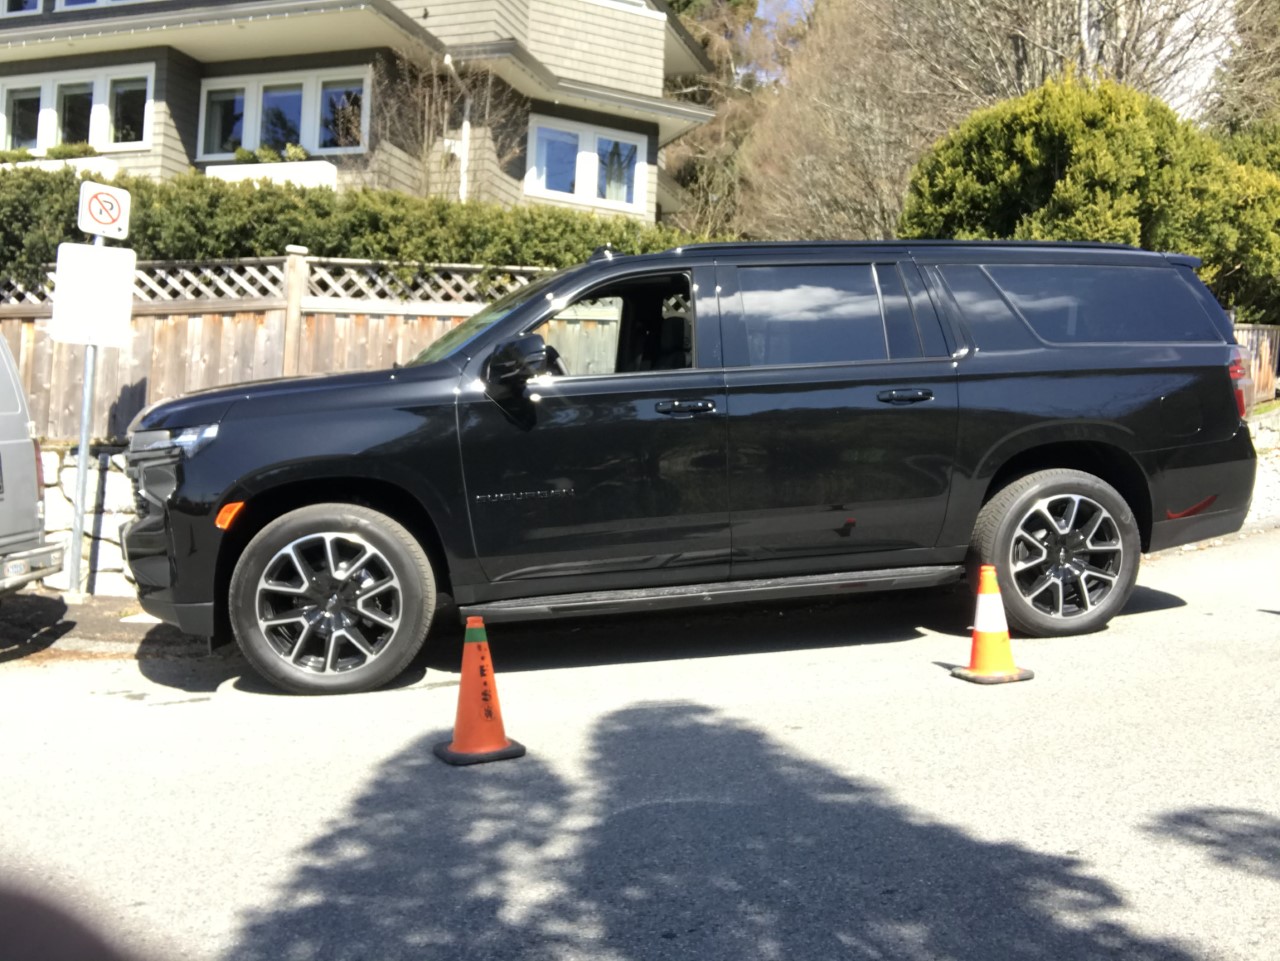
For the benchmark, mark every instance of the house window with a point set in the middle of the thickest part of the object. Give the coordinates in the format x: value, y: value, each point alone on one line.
x: 79, y: 4
x: 281, y: 116
x: 22, y: 108
x: 223, y: 120
x: 75, y: 105
x: 110, y: 109
x: 128, y: 104
x: 591, y: 165
x: 18, y: 7
x: 341, y: 113
x: 322, y: 112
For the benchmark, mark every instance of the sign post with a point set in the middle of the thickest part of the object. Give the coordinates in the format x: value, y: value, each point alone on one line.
x: 93, y: 305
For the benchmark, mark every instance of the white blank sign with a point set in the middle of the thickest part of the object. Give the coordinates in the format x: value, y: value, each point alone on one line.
x: 93, y: 295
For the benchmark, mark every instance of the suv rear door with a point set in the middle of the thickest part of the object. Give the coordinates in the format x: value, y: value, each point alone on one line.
x: 842, y: 415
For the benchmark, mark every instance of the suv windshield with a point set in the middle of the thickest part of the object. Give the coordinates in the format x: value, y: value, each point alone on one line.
x: 479, y: 322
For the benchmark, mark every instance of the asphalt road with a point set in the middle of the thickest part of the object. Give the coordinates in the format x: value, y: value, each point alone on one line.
x: 800, y: 783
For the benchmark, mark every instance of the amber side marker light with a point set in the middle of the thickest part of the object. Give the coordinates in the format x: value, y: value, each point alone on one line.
x: 228, y: 514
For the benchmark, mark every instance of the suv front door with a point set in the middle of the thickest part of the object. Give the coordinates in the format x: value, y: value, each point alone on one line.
x: 842, y: 416
x: 610, y: 473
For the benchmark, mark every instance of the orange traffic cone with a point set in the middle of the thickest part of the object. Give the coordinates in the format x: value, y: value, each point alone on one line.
x: 991, y: 661
x: 477, y: 732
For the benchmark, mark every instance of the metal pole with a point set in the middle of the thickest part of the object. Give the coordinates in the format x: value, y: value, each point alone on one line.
x: 82, y: 462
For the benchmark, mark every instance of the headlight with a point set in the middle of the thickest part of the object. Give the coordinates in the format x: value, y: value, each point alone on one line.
x: 186, y: 439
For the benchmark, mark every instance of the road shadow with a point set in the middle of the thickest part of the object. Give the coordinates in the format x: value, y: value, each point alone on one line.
x: 31, y: 623
x: 691, y: 835
x: 1147, y: 600
x: 1237, y: 837
x: 887, y: 618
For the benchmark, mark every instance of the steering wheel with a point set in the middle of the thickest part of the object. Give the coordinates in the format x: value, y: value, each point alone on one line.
x: 555, y: 363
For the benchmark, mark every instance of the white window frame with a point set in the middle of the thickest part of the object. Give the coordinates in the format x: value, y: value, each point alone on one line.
x: 586, y: 177
x: 62, y: 5
x: 312, y: 81
x: 5, y: 12
x: 99, y: 114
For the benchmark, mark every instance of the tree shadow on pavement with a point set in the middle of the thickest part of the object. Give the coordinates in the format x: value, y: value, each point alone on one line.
x: 29, y: 624
x: 1237, y: 837
x: 692, y: 835
x: 891, y: 617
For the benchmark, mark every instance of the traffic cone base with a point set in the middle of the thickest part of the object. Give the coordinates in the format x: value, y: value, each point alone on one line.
x: 478, y: 734
x: 1021, y: 674
x: 992, y: 660
x: 446, y: 753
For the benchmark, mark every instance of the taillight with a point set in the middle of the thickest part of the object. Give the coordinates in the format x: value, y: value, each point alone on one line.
x: 1239, y: 369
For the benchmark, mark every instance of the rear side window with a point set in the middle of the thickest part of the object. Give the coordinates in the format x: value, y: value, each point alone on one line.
x: 1089, y: 304
x: 992, y: 322
x: 1209, y: 302
x: 826, y: 314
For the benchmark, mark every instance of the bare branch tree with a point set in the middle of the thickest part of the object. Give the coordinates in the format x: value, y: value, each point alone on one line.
x: 876, y: 81
x: 442, y: 130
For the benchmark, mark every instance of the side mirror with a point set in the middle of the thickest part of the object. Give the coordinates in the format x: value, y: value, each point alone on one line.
x: 515, y: 361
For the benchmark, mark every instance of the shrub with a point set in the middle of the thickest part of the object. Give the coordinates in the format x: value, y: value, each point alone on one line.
x: 244, y: 155
x: 295, y: 152
x: 70, y: 151
x: 194, y: 217
x: 1076, y: 160
x: 17, y: 155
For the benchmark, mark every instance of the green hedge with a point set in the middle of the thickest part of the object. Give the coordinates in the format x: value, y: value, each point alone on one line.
x: 1075, y: 160
x: 199, y: 218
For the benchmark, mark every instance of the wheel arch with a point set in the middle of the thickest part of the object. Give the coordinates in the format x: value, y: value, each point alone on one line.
x: 1108, y: 462
x: 262, y: 508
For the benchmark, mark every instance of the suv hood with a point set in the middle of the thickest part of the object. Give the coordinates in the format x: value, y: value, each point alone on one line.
x: 210, y: 405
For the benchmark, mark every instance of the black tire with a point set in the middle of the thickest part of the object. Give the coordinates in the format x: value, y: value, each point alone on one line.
x: 331, y: 599
x: 1061, y: 571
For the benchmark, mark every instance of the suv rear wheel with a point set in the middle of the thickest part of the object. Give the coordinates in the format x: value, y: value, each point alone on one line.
x: 1066, y: 551
x: 332, y: 599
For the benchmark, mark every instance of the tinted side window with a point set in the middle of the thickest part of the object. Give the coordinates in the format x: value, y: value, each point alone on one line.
x: 811, y: 314
x: 904, y: 340
x: 1210, y: 303
x: 993, y: 324
x: 1104, y: 305
x: 926, y: 318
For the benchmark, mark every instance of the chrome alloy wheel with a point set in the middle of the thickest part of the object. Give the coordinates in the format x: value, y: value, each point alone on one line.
x: 1066, y: 555
x: 328, y: 603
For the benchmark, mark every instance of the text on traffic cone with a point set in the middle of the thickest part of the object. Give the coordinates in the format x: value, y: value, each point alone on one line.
x: 478, y: 734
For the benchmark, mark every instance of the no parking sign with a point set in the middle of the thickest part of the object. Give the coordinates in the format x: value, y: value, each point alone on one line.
x: 104, y: 211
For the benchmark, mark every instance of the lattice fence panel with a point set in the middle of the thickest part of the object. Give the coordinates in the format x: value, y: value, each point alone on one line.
x: 265, y: 279
x: 447, y: 283
x: 230, y: 280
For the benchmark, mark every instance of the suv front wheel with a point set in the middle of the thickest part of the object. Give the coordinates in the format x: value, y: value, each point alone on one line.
x: 332, y: 599
x: 1066, y: 550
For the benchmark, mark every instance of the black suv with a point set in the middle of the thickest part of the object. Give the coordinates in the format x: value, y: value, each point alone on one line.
x: 713, y: 423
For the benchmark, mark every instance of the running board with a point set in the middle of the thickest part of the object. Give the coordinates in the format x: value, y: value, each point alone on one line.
x: 723, y: 592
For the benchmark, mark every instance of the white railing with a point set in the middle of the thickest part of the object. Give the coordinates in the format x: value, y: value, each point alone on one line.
x: 280, y: 278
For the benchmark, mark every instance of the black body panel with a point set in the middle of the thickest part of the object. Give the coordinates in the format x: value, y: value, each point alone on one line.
x: 644, y: 481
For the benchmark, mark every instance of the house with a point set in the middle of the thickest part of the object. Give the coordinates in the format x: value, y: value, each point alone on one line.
x: 512, y: 101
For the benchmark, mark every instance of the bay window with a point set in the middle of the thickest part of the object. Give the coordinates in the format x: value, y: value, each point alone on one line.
x: 325, y: 113
x: 109, y: 109
x: 586, y: 164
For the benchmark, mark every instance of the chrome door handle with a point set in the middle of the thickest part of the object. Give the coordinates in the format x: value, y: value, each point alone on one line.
x: 684, y: 408
x: 912, y: 395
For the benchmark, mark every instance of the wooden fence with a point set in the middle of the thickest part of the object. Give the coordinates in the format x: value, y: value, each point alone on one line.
x: 1264, y: 341
x: 208, y: 325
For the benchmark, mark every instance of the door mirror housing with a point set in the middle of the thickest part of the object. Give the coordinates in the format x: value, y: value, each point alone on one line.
x: 515, y: 361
